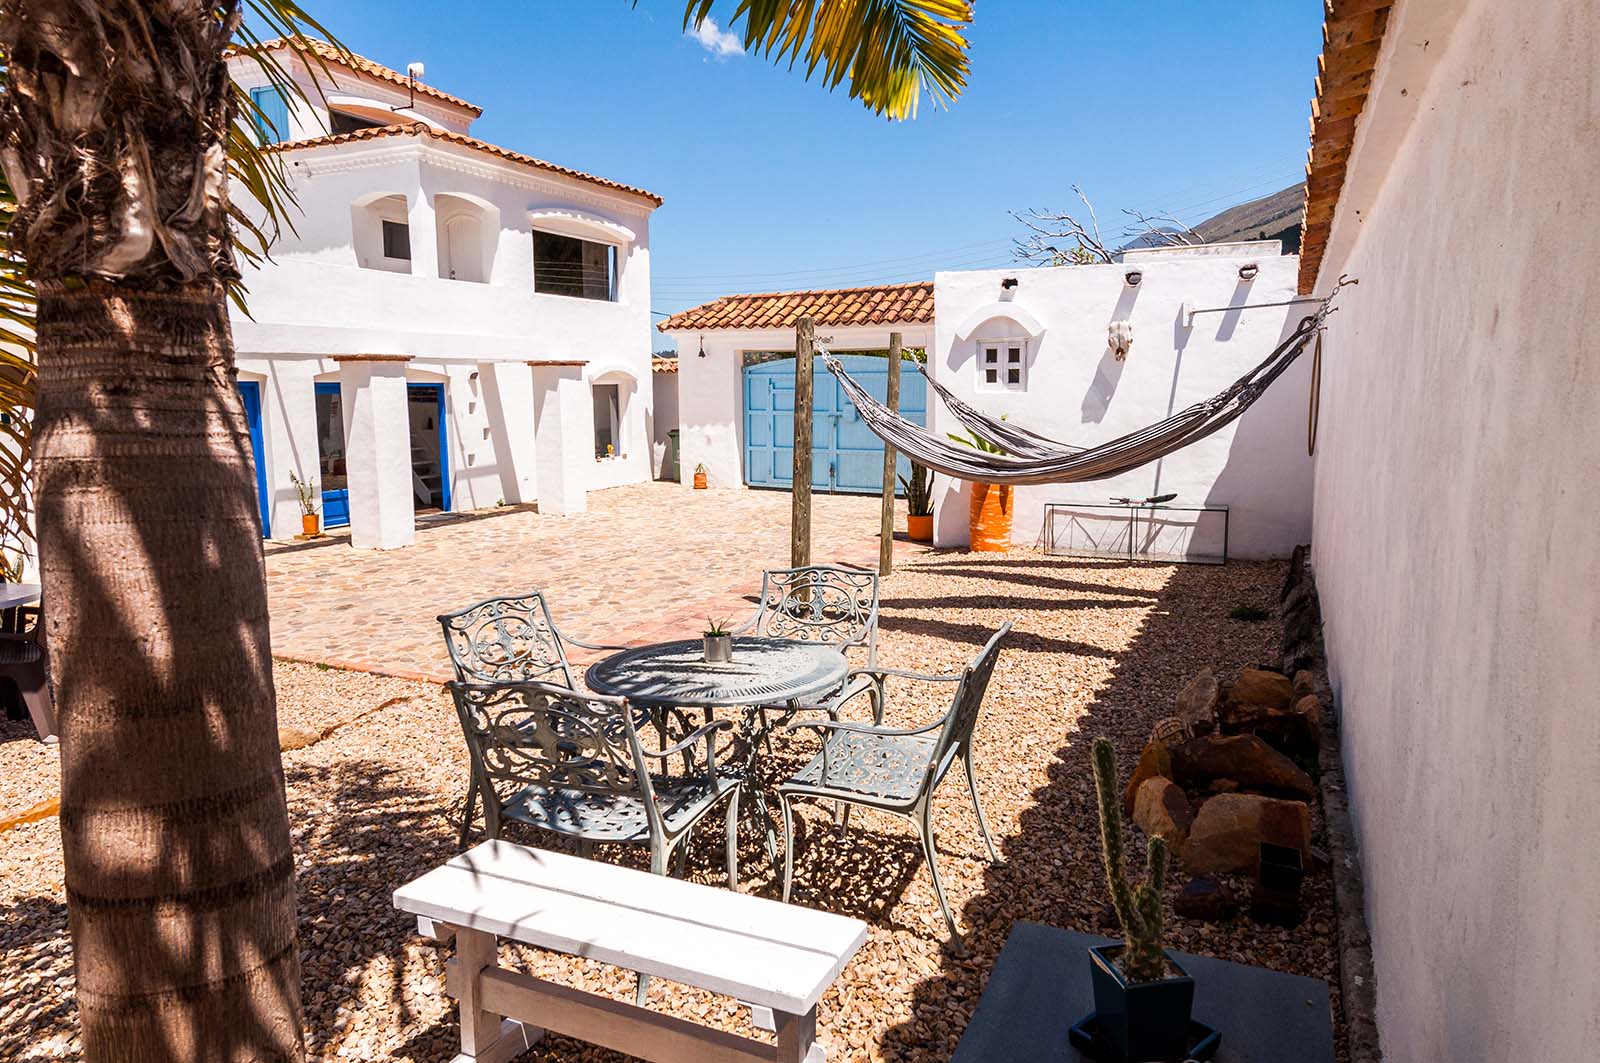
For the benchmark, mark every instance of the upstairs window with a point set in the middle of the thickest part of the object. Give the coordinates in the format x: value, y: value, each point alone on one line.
x: 270, y: 114
x: 341, y: 122
x: 566, y: 265
x: 396, y: 240
x: 1003, y: 365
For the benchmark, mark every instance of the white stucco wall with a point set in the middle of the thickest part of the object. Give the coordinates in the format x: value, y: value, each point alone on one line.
x: 711, y: 388
x: 1077, y: 393
x: 1457, y: 529
x: 316, y: 300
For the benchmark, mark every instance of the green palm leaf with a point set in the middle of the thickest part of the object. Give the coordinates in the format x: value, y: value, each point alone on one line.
x: 892, y: 52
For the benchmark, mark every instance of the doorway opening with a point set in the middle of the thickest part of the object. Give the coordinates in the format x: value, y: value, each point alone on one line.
x: 430, y: 470
x: 331, y: 456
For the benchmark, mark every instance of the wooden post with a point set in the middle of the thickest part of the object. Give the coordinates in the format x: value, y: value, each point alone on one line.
x: 886, y: 527
x: 805, y: 336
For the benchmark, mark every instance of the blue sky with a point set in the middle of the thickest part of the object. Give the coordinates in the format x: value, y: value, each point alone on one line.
x: 772, y: 183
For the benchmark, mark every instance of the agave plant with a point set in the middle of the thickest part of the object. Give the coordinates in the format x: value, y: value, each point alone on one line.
x: 919, y: 491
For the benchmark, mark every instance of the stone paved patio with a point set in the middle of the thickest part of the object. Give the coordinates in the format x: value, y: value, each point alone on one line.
x: 647, y: 562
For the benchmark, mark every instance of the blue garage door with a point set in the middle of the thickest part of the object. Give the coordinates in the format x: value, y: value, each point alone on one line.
x: 845, y: 455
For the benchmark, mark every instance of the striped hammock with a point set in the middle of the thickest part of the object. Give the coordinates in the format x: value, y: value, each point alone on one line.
x: 1030, y: 458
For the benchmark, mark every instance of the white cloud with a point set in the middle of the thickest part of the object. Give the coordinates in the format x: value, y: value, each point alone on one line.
x: 719, y: 42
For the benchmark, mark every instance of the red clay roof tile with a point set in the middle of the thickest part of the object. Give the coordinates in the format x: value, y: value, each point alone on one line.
x: 884, y: 304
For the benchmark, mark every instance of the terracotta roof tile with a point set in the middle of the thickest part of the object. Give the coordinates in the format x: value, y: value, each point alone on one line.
x: 884, y: 304
x: 1352, y: 35
x: 423, y: 129
x: 660, y: 364
x: 362, y: 65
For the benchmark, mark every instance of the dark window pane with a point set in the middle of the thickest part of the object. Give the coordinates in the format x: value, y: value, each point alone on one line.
x: 1014, y: 354
x: 1013, y: 375
x: 991, y: 376
x: 349, y: 123
x: 565, y: 265
x: 991, y: 355
x: 396, y: 240
x: 330, y: 440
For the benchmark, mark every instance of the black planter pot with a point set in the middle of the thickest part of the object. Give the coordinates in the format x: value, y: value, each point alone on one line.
x: 1143, y: 1020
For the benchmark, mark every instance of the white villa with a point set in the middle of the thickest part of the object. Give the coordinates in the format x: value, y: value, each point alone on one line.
x: 479, y: 332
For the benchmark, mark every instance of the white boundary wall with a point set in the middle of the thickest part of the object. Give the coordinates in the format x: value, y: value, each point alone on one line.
x: 1457, y: 537
x: 1078, y: 393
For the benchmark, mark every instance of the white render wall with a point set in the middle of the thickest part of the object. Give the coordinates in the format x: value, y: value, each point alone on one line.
x: 1457, y: 529
x: 711, y: 389
x: 316, y: 301
x: 1079, y: 394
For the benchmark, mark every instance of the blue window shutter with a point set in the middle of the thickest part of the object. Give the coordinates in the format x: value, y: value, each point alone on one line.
x: 272, y: 123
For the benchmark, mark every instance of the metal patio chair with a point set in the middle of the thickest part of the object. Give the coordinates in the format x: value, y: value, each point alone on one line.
x: 829, y: 605
x: 573, y: 764
x: 22, y: 660
x: 897, y: 769
x: 511, y: 638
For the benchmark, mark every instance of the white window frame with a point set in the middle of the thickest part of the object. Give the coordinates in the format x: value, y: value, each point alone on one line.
x: 1003, y: 366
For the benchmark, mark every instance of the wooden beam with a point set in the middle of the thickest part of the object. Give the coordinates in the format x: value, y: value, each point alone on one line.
x: 805, y: 340
x: 621, y: 1027
x: 886, y: 519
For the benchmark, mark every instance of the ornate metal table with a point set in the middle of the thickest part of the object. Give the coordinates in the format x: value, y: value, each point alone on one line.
x: 764, y: 672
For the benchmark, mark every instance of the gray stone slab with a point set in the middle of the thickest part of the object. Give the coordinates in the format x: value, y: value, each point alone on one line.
x: 1040, y: 986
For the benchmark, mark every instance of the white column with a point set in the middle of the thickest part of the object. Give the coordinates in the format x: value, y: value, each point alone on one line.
x: 424, y: 234
x: 377, y: 433
x: 563, y: 439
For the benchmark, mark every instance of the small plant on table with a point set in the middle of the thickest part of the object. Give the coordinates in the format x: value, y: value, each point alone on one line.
x: 718, y: 642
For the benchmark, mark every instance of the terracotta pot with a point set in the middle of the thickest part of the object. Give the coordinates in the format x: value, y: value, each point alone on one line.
x: 309, y: 522
x: 699, y: 481
x: 991, y: 517
x: 919, y: 529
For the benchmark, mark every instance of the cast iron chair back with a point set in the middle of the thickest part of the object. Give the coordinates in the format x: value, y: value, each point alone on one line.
x: 819, y: 603
x: 508, y: 639
x: 955, y: 737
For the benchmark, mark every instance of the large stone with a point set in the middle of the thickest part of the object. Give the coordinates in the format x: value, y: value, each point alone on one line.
x: 1245, y: 759
x: 1309, y: 708
x: 1285, y: 729
x: 1227, y: 833
x: 1206, y: 898
x: 1305, y: 682
x: 1159, y: 808
x: 1256, y: 686
x: 1197, y: 703
x: 1156, y: 760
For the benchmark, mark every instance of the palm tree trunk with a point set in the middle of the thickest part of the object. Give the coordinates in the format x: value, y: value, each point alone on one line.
x: 179, y: 871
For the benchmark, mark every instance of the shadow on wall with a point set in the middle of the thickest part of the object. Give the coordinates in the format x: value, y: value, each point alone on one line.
x: 1097, y: 400
x: 1267, y: 460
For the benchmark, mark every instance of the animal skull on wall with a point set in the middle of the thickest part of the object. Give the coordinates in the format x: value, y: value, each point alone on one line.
x: 1119, y: 337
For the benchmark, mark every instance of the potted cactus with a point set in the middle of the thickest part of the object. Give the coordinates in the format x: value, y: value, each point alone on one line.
x: 1142, y: 997
x: 919, y: 504
x: 310, y: 521
x: 718, y: 643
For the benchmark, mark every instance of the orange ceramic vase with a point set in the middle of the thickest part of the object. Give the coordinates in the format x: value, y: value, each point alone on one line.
x: 699, y: 481
x: 919, y: 529
x: 991, y: 517
x: 308, y: 523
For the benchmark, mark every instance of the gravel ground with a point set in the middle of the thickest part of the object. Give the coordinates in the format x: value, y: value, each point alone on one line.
x: 1099, y: 648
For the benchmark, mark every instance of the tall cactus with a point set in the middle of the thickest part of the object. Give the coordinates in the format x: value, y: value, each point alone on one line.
x: 1140, y: 910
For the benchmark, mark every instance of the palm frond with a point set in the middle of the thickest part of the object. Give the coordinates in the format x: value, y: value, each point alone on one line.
x: 18, y: 377
x: 892, y: 52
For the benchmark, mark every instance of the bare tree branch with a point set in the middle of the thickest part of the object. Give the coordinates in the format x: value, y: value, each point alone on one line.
x: 1059, y: 238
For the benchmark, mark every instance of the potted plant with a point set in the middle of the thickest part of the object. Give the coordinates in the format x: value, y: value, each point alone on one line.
x: 990, y: 517
x: 1142, y: 997
x: 700, y: 477
x: 919, y: 504
x: 310, y: 522
x: 718, y: 643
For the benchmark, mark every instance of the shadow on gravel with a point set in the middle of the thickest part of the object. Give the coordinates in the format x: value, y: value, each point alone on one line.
x: 1050, y: 872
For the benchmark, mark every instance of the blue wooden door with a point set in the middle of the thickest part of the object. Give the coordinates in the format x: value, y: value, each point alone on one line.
x: 845, y: 455
x: 331, y: 455
x: 250, y: 394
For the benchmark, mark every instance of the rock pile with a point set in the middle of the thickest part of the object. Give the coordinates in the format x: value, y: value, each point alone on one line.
x: 1227, y: 773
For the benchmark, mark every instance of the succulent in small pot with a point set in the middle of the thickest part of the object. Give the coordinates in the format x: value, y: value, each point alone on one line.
x: 1142, y: 997
x: 310, y: 520
x: 919, y: 504
x: 700, y: 477
x: 718, y: 642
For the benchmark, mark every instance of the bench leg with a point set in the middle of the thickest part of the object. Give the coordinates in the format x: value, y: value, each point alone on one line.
x: 797, y: 1038
x: 485, y: 1036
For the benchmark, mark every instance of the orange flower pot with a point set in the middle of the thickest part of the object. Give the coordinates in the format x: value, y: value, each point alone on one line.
x: 920, y: 529
x: 991, y: 517
x: 309, y: 522
x: 699, y: 481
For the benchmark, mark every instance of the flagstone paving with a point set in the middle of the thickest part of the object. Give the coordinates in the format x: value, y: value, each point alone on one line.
x: 645, y: 563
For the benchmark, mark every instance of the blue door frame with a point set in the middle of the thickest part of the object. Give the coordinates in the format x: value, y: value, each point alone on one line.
x: 845, y: 456
x: 335, y: 503
x: 444, y: 439
x: 250, y: 394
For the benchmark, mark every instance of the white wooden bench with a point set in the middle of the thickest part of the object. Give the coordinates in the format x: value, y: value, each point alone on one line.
x: 771, y: 955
